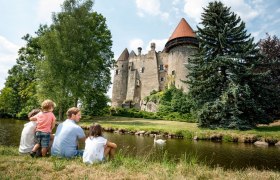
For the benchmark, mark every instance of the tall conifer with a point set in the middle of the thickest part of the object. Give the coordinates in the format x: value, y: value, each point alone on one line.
x: 222, y: 73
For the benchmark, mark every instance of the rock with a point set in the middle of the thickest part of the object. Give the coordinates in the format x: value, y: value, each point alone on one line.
x: 277, y: 144
x: 140, y: 132
x: 260, y: 143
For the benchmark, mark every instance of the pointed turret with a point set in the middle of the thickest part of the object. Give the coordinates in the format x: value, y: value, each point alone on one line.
x: 124, y: 56
x: 132, y: 54
x: 183, y: 34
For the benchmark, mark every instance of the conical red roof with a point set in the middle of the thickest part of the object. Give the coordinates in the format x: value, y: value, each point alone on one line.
x: 182, y: 30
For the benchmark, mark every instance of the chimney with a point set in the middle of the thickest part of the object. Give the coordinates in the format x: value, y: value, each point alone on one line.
x: 139, y: 50
x: 153, y: 46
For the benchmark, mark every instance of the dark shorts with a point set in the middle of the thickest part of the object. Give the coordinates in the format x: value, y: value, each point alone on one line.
x: 42, y: 138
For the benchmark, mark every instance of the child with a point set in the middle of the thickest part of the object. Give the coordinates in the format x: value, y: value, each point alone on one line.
x: 45, y: 124
x: 28, y: 133
x: 97, y: 148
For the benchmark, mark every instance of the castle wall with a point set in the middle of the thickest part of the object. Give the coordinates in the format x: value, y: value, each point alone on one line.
x: 177, y: 60
x: 120, y: 83
x: 162, y: 60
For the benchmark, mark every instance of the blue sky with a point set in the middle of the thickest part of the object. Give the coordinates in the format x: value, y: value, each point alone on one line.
x: 133, y: 23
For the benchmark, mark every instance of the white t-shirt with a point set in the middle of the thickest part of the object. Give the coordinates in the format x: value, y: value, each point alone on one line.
x: 27, y: 137
x: 94, y: 149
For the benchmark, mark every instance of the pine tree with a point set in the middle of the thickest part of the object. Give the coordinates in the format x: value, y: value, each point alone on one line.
x: 222, y: 73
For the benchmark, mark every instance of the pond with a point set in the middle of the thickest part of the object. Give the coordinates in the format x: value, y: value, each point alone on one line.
x: 227, y: 155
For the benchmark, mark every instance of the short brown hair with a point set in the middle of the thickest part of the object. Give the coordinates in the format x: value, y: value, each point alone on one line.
x: 72, y: 110
x: 95, y: 130
x: 33, y: 112
x: 47, y: 104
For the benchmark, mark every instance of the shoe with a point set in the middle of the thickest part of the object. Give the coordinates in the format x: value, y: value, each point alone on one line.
x: 32, y: 154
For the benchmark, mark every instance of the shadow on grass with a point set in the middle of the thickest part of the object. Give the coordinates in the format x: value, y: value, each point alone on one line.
x: 268, y: 128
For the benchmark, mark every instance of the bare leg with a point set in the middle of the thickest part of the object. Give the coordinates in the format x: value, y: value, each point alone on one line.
x: 109, y: 151
x: 36, y: 147
x: 44, y: 151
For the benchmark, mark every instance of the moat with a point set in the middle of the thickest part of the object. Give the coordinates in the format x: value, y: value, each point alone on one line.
x: 228, y: 155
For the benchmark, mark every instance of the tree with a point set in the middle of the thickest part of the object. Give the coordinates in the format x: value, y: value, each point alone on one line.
x: 18, y: 97
x: 270, y: 50
x: 221, y: 75
x: 78, y: 56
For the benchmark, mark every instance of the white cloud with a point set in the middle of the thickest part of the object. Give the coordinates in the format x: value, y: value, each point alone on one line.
x: 135, y: 43
x: 46, y: 8
x: 245, y: 10
x: 150, y: 7
x: 8, y: 55
x: 194, y: 8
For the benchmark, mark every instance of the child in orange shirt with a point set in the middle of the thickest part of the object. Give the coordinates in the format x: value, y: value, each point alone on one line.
x: 45, y: 123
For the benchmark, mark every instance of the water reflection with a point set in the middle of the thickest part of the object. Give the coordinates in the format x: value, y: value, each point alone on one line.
x: 228, y: 155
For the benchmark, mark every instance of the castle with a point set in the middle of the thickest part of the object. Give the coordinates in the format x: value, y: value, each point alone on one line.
x: 136, y: 76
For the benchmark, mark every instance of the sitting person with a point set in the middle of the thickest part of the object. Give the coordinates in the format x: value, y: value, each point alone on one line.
x: 97, y: 148
x: 67, y: 135
x: 27, y: 140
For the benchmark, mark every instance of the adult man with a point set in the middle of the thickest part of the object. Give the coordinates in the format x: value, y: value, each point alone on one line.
x: 67, y: 136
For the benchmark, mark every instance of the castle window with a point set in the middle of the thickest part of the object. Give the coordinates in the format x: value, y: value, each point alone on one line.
x: 161, y: 67
x: 162, y: 79
x: 138, y: 82
x: 173, y: 72
x: 117, y: 72
x: 142, y: 70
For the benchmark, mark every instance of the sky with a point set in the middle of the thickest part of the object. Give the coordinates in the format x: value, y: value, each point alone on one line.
x: 133, y: 23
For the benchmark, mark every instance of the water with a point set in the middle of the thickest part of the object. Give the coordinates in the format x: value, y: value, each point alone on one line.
x: 227, y: 155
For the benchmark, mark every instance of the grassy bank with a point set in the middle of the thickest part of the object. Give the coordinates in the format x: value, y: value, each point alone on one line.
x: 15, y: 166
x: 188, y: 130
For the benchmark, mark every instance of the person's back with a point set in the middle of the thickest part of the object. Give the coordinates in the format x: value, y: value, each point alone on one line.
x: 97, y: 148
x: 27, y: 141
x: 94, y: 149
x: 67, y: 134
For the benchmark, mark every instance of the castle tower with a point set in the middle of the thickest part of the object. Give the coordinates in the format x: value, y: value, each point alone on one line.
x: 181, y: 45
x: 120, y: 80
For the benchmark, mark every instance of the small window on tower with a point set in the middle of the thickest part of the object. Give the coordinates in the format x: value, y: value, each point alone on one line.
x: 173, y: 72
x: 142, y: 70
x: 161, y: 67
x: 162, y: 79
x: 117, y: 72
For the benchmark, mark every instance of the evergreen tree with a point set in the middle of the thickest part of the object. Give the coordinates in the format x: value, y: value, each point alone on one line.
x: 221, y: 76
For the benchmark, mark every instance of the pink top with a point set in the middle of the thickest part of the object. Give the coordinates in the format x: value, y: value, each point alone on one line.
x: 45, y: 121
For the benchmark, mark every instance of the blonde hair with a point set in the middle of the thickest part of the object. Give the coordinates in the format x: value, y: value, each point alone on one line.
x: 72, y: 110
x: 47, y: 105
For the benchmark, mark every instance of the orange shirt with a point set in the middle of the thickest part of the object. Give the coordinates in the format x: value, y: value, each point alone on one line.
x: 45, y: 121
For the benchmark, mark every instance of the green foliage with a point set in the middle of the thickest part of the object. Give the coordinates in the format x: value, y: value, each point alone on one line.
x: 270, y: 84
x: 18, y: 96
x: 135, y: 113
x: 222, y: 79
x: 78, y: 58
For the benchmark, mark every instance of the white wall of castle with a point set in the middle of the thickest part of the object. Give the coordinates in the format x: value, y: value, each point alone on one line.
x: 141, y: 74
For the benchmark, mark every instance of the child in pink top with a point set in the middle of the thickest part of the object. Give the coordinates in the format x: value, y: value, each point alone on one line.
x: 45, y: 124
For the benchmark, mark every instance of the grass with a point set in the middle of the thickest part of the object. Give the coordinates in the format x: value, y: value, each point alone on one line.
x: 15, y: 166
x: 188, y: 130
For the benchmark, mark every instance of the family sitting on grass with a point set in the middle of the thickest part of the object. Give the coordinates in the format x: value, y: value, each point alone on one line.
x: 37, y: 140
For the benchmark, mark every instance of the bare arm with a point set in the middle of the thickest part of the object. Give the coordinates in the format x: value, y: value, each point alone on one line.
x: 33, y: 118
x: 111, y: 144
x: 53, y: 123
